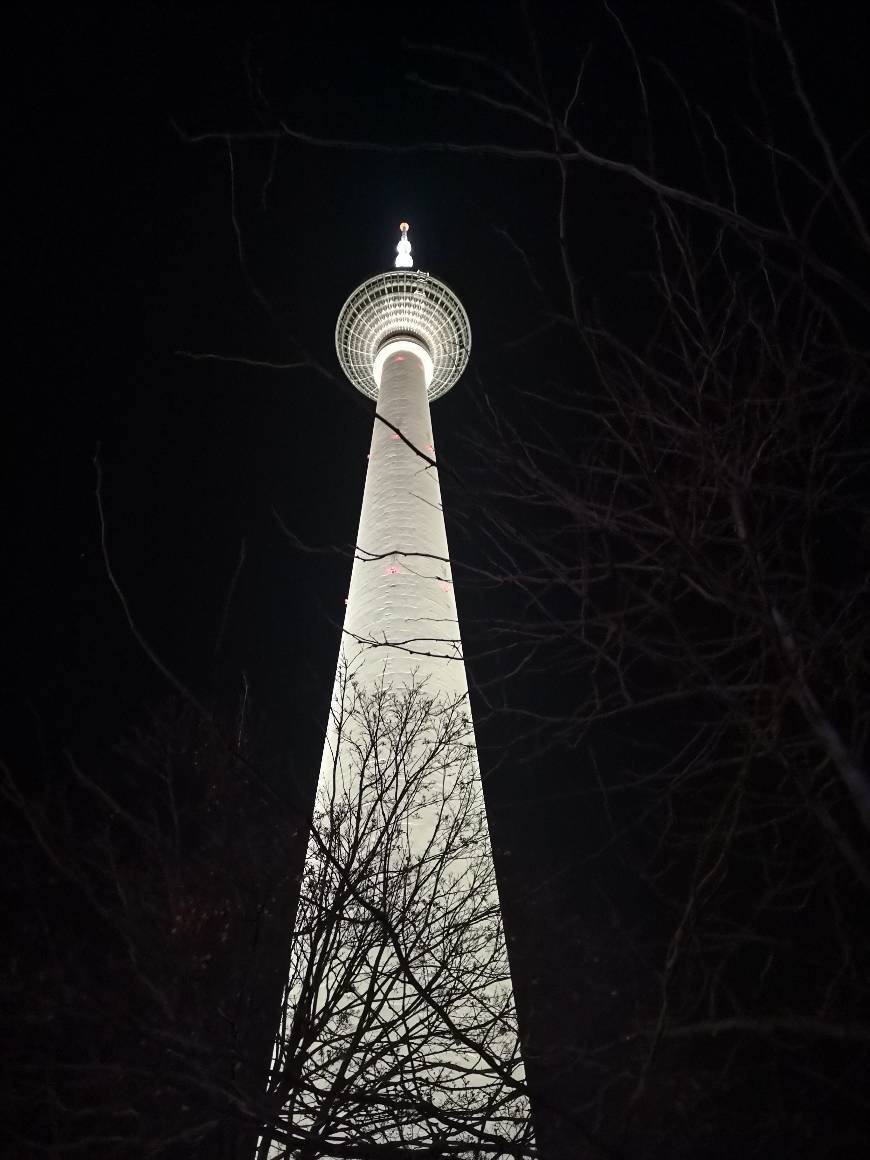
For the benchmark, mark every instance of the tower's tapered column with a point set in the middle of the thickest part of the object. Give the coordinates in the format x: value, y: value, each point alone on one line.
x: 401, y: 623
x: 400, y: 1026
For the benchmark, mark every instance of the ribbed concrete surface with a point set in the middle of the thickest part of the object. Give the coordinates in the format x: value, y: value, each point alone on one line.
x: 401, y: 623
x: 400, y: 808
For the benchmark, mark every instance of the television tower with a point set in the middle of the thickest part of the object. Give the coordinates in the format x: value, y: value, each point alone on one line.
x: 403, y: 339
x: 422, y: 1014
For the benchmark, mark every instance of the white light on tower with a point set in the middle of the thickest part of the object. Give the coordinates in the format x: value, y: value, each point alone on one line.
x: 414, y: 1038
x: 403, y: 249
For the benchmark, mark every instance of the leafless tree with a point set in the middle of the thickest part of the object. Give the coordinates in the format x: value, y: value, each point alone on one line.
x: 673, y: 506
x: 682, y: 516
x: 153, y: 911
x: 399, y: 1025
x: 145, y: 944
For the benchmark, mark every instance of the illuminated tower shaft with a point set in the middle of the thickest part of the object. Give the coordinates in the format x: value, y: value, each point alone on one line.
x: 399, y: 975
x: 401, y: 621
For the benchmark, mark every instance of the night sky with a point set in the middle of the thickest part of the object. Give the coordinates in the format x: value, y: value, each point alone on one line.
x: 131, y: 255
x: 134, y: 257
x: 144, y: 259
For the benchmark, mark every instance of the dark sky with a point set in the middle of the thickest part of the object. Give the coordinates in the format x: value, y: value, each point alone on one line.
x: 128, y: 255
x: 133, y: 256
x: 132, y: 248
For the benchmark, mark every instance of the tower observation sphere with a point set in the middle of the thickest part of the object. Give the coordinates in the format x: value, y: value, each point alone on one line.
x: 403, y: 304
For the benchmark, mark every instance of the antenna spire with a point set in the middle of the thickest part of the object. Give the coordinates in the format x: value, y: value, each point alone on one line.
x: 403, y: 250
